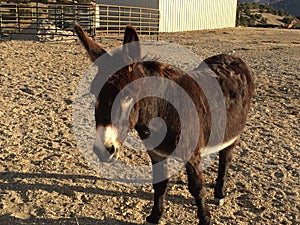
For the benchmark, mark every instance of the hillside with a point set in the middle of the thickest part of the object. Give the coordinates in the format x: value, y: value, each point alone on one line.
x: 291, y: 6
x: 261, y: 1
x: 262, y: 15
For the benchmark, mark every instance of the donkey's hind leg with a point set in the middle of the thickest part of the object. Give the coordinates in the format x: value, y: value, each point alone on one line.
x: 197, y: 189
x: 225, y: 157
x: 160, y: 181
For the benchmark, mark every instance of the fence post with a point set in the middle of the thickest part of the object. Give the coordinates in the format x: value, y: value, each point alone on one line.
x: 31, y: 8
x: 107, y: 9
x: 37, y: 15
x: 130, y: 15
x: 18, y: 14
x: 141, y: 24
x: 73, y: 14
x: 62, y: 18
x: 90, y: 21
x: 119, y: 25
x: 150, y: 22
x: 0, y: 25
x: 94, y: 20
x: 55, y: 19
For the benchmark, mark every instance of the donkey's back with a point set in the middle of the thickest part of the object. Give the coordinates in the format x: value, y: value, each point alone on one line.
x: 236, y: 81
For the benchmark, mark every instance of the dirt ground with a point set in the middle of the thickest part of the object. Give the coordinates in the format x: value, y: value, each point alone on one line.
x: 45, y: 180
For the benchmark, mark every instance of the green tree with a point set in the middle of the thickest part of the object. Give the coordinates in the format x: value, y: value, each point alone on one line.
x: 264, y: 20
x: 247, y: 12
x: 281, y: 12
x: 251, y: 22
x: 258, y: 16
x: 287, y: 20
x: 243, y: 21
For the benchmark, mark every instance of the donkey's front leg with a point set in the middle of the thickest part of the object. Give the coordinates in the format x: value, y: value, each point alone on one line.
x: 160, y: 181
x: 197, y: 189
x: 225, y: 157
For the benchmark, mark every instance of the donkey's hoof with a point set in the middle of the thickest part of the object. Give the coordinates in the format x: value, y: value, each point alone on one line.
x: 220, y: 201
x: 152, y: 220
x: 206, y: 221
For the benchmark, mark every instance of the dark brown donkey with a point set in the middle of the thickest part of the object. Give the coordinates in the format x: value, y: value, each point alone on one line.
x: 236, y: 82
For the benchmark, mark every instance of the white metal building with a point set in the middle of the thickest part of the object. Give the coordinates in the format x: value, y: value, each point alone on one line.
x: 185, y: 15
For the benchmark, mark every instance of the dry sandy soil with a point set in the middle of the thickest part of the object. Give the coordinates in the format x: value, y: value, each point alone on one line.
x: 44, y: 178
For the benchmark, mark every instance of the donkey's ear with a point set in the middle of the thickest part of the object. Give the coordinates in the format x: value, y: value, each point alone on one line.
x: 131, y: 45
x: 94, y: 49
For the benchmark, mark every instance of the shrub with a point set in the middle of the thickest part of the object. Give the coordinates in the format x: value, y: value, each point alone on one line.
x: 287, y: 20
x: 247, y: 22
x: 257, y: 16
x: 264, y: 20
x: 247, y: 12
x: 281, y: 12
x: 262, y: 7
x: 243, y: 21
x: 271, y: 10
x: 251, y: 22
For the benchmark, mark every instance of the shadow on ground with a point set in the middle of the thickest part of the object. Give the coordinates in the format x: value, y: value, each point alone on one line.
x: 10, y: 181
x: 9, y: 220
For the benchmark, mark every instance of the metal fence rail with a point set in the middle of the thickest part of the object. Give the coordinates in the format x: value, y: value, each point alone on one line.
x: 113, y: 19
x: 58, y: 19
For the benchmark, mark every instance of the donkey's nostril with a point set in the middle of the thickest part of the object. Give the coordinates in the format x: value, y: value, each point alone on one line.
x: 111, y: 150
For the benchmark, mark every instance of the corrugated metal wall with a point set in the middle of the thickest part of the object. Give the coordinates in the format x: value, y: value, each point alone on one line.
x: 184, y: 15
x: 136, y: 3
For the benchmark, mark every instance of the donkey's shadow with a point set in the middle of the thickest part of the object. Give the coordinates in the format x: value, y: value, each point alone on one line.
x: 6, y: 219
x: 10, y: 181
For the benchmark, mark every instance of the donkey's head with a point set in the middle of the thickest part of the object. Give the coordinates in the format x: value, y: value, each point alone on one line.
x: 107, y: 143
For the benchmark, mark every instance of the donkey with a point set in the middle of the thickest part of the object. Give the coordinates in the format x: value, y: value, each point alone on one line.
x: 236, y: 82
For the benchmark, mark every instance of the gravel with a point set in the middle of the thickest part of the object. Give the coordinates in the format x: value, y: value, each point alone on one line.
x: 44, y: 178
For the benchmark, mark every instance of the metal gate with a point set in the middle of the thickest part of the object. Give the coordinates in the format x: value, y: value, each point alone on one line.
x: 113, y: 19
x: 52, y: 20
x: 41, y: 19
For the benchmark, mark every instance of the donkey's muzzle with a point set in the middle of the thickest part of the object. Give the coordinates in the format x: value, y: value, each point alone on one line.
x: 106, y: 144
